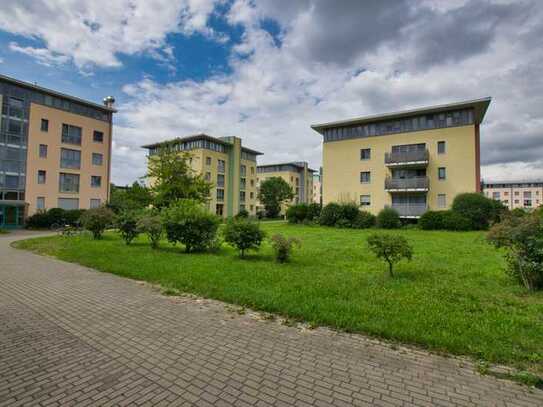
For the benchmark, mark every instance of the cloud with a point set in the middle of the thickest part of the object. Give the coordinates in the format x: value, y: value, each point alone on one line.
x: 94, y: 32
x: 42, y: 55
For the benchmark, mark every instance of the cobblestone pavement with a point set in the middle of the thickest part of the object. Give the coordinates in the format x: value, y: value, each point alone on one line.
x: 73, y: 336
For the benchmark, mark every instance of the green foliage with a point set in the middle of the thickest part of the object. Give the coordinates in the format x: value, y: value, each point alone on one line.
x: 127, y: 224
x: 244, y: 234
x: 134, y: 197
x: 478, y: 209
x: 242, y: 214
x: 330, y: 214
x: 54, y: 216
x: 189, y: 223
x: 313, y: 212
x: 431, y: 220
x: 444, y: 220
x: 283, y: 247
x: 274, y: 192
x: 97, y: 220
x: 349, y: 213
x: 388, y: 218
x: 346, y: 215
x: 522, y: 237
x: 363, y: 220
x: 390, y: 248
x: 518, y: 213
x: 173, y: 179
x: 150, y: 223
x: 297, y: 213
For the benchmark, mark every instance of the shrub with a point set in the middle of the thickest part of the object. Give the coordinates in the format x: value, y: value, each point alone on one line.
x: 297, y: 213
x: 150, y: 223
x: 522, y: 238
x: 518, y: 212
x: 54, y: 216
x: 349, y: 213
x: 97, y: 220
x: 242, y: 214
x: 283, y: 246
x: 330, y: 214
x: 390, y: 248
x: 431, y: 220
x: 363, y: 220
x: 478, y: 209
x: 388, y: 218
x: 189, y: 223
x: 313, y: 212
x: 243, y: 234
x: 455, y: 221
x: 127, y: 223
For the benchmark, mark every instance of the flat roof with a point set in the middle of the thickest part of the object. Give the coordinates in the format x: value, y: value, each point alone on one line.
x: 480, y: 107
x: 51, y: 92
x: 298, y: 164
x: 196, y: 137
x: 540, y: 181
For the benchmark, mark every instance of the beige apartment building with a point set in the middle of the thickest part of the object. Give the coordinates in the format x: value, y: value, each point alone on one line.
x: 412, y: 161
x: 224, y: 162
x: 55, y: 151
x: 297, y: 174
x: 520, y: 194
x: 317, y: 188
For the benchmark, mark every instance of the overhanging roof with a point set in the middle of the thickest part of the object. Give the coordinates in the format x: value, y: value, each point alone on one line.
x: 479, y: 106
x: 196, y: 137
x: 296, y: 164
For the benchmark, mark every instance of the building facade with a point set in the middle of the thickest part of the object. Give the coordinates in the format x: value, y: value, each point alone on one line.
x: 520, y: 194
x: 317, y: 187
x: 55, y: 151
x: 412, y: 161
x: 224, y: 162
x: 297, y: 174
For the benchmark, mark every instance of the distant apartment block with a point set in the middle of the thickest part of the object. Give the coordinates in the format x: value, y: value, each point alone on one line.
x: 317, y: 188
x: 297, y: 174
x: 519, y: 194
x: 55, y: 151
x: 412, y: 160
x: 224, y: 162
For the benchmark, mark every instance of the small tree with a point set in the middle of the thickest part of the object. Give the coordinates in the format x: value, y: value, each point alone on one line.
x: 274, y: 192
x: 388, y: 218
x: 243, y: 234
x: 97, y: 220
x: 150, y: 223
x: 127, y: 223
x: 190, y: 224
x: 390, y: 248
x: 283, y: 246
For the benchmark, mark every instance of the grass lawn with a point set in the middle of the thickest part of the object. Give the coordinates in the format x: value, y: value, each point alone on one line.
x: 453, y: 296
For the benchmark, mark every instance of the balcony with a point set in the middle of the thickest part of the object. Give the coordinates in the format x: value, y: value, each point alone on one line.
x: 407, y: 159
x: 410, y: 210
x: 414, y: 184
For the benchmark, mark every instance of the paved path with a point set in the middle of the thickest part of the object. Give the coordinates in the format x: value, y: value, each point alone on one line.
x: 73, y: 336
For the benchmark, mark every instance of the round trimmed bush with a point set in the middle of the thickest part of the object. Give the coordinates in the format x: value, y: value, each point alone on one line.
x: 388, y: 218
x: 349, y: 213
x: 330, y: 214
x: 478, y: 209
x: 431, y: 220
x: 297, y: 213
x: 364, y: 220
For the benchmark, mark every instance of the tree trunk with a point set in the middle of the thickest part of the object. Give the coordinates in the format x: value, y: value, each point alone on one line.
x: 390, y: 269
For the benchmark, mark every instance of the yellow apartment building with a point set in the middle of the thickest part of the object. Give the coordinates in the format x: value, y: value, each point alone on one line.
x: 55, y: 151
x: 224, y: 162
x: 518, y: 194
x: 412, y: 161
x: 297, y: 174
x: 317, y: 188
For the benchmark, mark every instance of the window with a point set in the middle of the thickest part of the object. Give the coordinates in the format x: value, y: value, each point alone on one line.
x: 252, y: 170
x: 441, y: 173
x: 70, y: 158
x: 96, y: 181
x: 41, y: 176
x: 441, y: 201
x: 251, y: 195
x: 44, y: 125
x: 365, y: 154
x: 219, y: 209
x: 95, y: 203
x: 528, y: 202
x: 40, y: 202
x: 242, y: 183
x: 208, y: 160
x: 365, y: 177
x: 365, y: 200
x: 506, y: 193
x: 516, y: 193
x: 241, y: 207
x: 68, y: 203
x: 496, y: 195
x: 527, y: 194
x: 516, y: 201
x: 242, y: 196
x: 252, y: 183
x: 243, y: 171
x: 221, y: 164
x: 15, y: 126
x: 220, y: 180
x: 98, y: 136
x: 71, y: 134
x: 208, y: 177
x: 97, y: 159
x: 43, y: 150
x: 220, y: 194
x: 69, y: 183
x: 441, y: 147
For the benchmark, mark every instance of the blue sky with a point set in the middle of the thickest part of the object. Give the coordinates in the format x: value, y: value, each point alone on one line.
x: 266, y: 70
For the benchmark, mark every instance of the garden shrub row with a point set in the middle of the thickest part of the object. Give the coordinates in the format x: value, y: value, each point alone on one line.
x: 54, y: 216
x: 344, y: 215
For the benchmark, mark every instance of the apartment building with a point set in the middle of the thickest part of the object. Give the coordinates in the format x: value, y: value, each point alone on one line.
x: 224, y: 162
x: 317, y: 188
x: 413, y: 160
x: 297, y: 174
x: 518, y: 194
x: 55, y: 151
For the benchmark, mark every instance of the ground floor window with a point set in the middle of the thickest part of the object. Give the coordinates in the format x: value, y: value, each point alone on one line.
x: 11, y: 216
x: 95, y: 203
x: 68, y: 203
x: 219, y: 209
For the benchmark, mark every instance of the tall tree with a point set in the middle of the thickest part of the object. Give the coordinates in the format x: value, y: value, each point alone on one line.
x: 274, y: 192
x: 136, y: 196
x: 172, y: 178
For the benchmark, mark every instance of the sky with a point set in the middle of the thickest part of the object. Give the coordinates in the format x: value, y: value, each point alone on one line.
x: 266, y: 70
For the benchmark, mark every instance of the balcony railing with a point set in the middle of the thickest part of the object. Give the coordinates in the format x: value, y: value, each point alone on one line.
x: 415, y: 183
x: 410, y: 209
x: 406, y: 157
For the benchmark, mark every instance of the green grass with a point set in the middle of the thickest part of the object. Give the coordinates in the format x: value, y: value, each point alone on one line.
x: 3, y: 231
x: 453, y: 297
